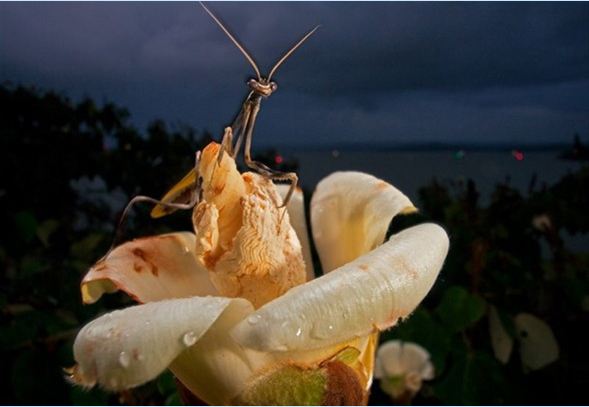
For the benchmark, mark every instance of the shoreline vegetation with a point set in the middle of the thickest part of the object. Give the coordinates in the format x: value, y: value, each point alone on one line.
x: 508, y: 257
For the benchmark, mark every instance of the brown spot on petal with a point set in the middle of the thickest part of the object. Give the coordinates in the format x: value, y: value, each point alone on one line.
x: 100, y: 266
x: 143, y: 256
x: 135, y: 353
x: 343, y: 386
x: 381, y: 185
x: 363, y: 267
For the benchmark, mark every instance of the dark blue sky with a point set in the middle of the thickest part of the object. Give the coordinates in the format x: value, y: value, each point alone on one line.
x: 381, y: 73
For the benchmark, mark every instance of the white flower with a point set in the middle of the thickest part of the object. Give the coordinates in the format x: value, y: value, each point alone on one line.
x: 401, y: 368
x: 233, y: 311
x: 543, y: 223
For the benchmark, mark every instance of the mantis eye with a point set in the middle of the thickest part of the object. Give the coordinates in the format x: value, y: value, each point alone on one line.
x: 273, y: 86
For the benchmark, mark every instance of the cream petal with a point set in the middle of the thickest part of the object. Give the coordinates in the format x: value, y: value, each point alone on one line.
x: 501, y: 341
x: 126, y: 348
x: 427, y: 371
x: 216, y: 368
x: 371, y: 293
x: 350, y: 215
x: 388, y: 360
x: 538, y: 346
x: 414, y: 357
x: 413, y: 381
x: 296, y: 211
x: 150, y: 269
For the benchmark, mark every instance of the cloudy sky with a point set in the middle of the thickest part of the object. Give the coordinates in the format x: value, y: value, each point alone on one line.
x: 376, y: 73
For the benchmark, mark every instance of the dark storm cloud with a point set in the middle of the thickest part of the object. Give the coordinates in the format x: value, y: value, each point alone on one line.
x: 374, y: 72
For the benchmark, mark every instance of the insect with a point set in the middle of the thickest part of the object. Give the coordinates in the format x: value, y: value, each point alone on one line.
x: 242, y: 127
x: 186, y: 194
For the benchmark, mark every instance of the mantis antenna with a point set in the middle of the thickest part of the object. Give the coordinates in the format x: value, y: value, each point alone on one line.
x: 232, y: 38
x: 243, y: 124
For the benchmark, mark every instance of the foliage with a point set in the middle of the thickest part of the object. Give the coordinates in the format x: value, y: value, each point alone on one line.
x: 501, y: 256
x: 70, y: 167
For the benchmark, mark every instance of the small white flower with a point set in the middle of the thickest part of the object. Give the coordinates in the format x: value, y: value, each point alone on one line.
x: 543, y: 223
x: 401, y: 368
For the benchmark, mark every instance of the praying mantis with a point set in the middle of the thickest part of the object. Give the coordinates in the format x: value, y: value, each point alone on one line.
x: 186, y: 193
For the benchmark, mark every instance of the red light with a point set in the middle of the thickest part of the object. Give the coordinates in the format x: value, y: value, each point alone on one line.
x: 518, y: 155
x: 278, y: 159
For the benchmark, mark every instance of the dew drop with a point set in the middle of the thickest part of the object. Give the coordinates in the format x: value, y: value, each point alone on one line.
x: 189, y: 338
x: 321, y: 331
x: 299, y: 332
x: 124, y: 359
x: 254, y: 319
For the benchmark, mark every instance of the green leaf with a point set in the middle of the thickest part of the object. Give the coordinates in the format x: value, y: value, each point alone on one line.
x: 459, y: 309
x: 174, y: 400
x: 473, y: 378
x: 166, y: 384
x: 46, y: 229
x: 426, y: 331
x: 287, y: 386
x: 30, y: 266
x: 26, y: 225
x: 85, y: 248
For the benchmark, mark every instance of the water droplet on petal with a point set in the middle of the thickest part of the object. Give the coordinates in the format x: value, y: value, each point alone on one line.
x: 299, y: 332
x: 124, y: 359
x: 189, y: 338
x: 254, y: 319
x: 321, y: 331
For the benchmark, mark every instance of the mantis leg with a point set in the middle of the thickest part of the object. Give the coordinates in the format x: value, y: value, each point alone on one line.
x: 195, y: 198
x: 261, y: 168
x: 236, y: 128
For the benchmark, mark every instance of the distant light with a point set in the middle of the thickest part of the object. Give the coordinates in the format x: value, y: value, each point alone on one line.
x: 518, y: 155
x: 278, y: 159
x: 459, y: 155
x: 335, y: 153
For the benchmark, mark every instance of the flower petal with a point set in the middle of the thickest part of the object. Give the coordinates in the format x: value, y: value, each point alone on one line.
x: 298, y: 220
x: 538, y: 344
x: 150, y: 269
x: 501, y: 341
x: 388, y: 360
x: 216, y: 368
x: 368, y: 294
x: 126, y: 348
x: 414, y: 358
x: 350, y: 214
